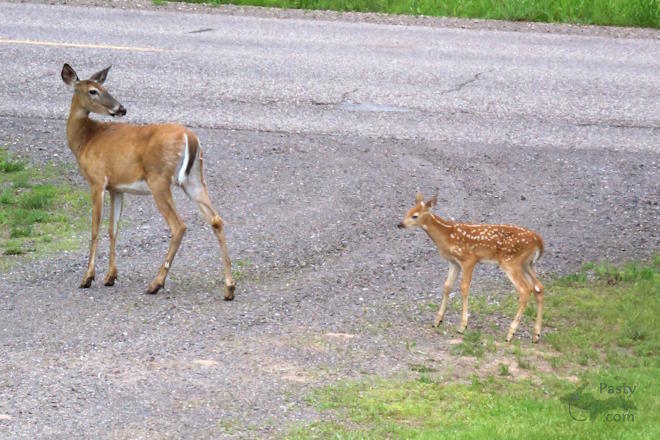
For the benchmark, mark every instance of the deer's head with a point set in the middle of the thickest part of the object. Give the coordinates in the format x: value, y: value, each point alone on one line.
x: 90, y: 93
x: 415, y: 214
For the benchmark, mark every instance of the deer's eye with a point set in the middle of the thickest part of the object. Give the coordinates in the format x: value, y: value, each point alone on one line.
x: 414, y: 217
x: 93, y: 92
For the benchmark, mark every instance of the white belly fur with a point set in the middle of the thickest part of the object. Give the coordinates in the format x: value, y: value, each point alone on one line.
x: 139, y: 187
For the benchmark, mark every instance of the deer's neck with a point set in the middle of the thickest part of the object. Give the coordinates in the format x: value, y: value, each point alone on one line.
x: 438, y: 229
x: 79, y: 127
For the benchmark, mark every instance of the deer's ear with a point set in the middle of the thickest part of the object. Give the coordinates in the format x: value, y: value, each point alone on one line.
x: 419, y: 197
x: 101, y: 75
x: 69, y: 75
x: 430, y: 203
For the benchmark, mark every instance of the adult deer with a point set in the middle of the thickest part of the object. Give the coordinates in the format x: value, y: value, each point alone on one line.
x: 513, y: 248
x: 135, y: 159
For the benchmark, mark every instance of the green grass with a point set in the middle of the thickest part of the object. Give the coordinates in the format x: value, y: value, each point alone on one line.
x: 642, y: 13
x: 39, y: 213
x: 601, y: 331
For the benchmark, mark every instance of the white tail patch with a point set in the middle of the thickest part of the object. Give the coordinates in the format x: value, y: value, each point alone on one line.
x: 184, y: 162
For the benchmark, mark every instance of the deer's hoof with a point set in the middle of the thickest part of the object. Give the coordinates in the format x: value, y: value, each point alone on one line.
x: 229, y: 292
x: 154, y: 288
x: 535, y: 338
x: 87, y: 281
x: 437, y: 322
x: 110, y: 279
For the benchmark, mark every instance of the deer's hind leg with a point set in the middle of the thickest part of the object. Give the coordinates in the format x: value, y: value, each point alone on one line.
x: 195, y: 187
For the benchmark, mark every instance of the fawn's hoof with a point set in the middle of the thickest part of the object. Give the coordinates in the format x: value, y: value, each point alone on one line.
x: 229, y: 292
x: 461, y: 330
x: 437, y: 322
x: 154, y: 288
x: 535, y: 338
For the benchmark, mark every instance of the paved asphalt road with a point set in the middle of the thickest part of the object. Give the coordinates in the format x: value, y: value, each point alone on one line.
x: 317, y: 135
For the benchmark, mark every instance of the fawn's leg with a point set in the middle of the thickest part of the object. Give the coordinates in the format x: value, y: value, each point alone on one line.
x: 466, y: 279
x: 538, y: 294
x: 517, y: 278
x: 452, y: 274
x: 116, y: 203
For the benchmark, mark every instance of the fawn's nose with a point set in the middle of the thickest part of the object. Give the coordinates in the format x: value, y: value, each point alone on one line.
x: 400, y: 225
x: 121, y: 111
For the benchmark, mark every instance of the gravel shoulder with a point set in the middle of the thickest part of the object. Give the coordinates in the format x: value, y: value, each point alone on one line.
x: 329, y: 288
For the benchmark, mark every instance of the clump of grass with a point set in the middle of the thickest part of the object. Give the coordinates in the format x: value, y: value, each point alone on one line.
x: 504, y: 370
x: 471, y: 345
x: 39, y: 211
x: 524, y: 363
x: 9, y: 165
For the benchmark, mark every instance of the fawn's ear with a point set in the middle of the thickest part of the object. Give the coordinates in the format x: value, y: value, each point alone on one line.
x: 419, y: 197
x: 430, y: 203
x: 69, y: 75
x: 101, y: 75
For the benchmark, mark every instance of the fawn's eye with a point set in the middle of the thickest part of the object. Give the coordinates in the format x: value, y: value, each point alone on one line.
x: 414, y: 217
x: 93, y: 92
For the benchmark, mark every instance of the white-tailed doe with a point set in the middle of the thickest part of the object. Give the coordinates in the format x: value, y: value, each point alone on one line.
x: 136, y: 159
x: 513, y: 248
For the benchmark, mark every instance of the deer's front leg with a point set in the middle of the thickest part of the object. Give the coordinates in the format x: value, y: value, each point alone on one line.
x: 97, y: 212
x: 454, y: 269
x: 465, y: 290
x: 116, y: 203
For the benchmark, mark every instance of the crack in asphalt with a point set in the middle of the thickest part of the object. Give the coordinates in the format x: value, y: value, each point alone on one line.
x: 460, y: 86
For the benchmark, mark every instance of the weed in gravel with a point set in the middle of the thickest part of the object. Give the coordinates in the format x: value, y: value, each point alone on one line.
x: 240, y: 268
x: 504, y: 370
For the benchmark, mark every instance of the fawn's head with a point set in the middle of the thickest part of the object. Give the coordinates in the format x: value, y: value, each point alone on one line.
x: 90, y: 93
x: 414, y: 215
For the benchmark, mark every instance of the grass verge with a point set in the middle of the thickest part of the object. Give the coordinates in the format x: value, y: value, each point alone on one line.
x: 39, y: 212
x: 638, y: 13
x: 594, y: 375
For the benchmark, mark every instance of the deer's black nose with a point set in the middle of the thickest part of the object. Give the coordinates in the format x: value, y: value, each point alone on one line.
x: 121, y: 111
x: 400, y: 226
